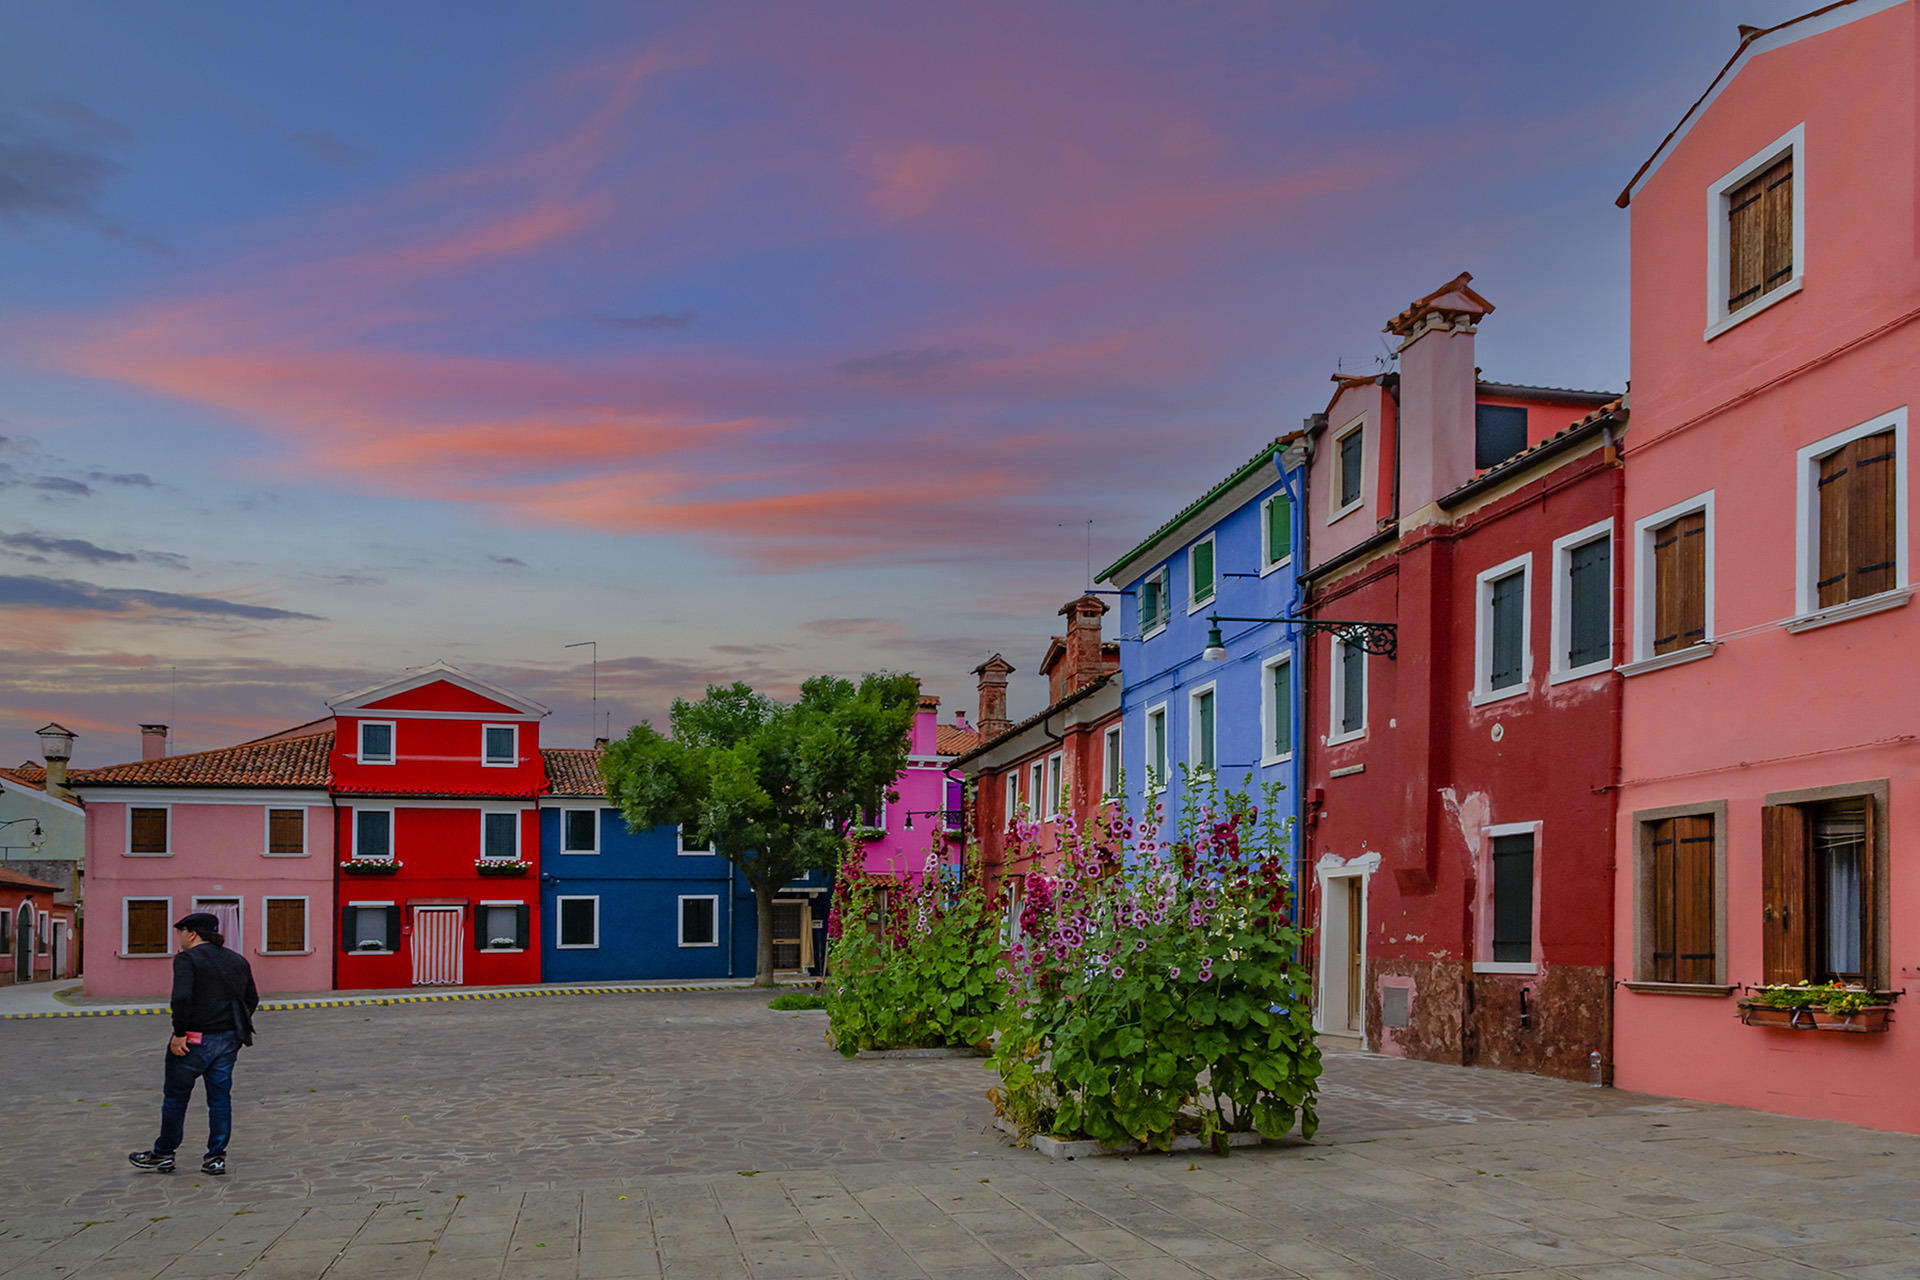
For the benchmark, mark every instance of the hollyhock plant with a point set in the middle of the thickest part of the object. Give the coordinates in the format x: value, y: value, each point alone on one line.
x: 1206, y: 1026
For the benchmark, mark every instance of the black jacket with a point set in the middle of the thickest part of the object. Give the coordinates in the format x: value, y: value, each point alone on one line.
x: 207, y: 979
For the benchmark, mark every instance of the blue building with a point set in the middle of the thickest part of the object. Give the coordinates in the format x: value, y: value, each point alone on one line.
x: 1230, y: 710
x: 620, y: 905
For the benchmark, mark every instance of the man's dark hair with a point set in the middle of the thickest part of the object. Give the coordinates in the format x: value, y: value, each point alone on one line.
x: 204, y: 923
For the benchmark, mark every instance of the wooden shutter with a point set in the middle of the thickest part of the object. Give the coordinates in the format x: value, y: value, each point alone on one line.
x: 1776, y: 200
x: 349, y: 928
x: 148, y: 832
x: 1783, y: 893
x: 393, y: 927
x: 1279, y: 529
x: 146, y: 927
x: 521, y: 929
x: 286, y: 831
x: 1871, y: 557
x: 286, y: 924
x: 1695, y: 933
x: 1680, y: 583
x: 1760, y: 235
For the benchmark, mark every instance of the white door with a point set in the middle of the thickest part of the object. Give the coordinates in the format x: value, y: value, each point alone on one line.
x: 59, y: 948
x: 1343, y: 914
x: 437, y: 952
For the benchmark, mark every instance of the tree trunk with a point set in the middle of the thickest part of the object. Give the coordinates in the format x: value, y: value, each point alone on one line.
x: 763, y: 950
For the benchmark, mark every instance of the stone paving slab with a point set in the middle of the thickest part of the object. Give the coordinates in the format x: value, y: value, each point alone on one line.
x: 704, y: 1135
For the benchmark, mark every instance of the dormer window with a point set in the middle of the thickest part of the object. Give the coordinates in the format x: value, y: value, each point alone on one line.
x: 376, y: 742
x: 500, y: 745
x: 1349, y: 461
x: 1756, y: 246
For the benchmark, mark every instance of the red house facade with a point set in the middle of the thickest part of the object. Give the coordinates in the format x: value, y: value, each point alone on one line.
x: 1458, y: 811
x: 437, y: 777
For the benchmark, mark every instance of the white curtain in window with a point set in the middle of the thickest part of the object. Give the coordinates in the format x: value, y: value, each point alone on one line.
x: 1840, y: 842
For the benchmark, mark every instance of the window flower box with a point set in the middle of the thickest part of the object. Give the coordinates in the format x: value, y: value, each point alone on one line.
x: 1806, y: 1007
x: 369, y: 866
x: 494, y: 867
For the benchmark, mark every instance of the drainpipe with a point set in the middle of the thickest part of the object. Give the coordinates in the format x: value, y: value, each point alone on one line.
x: 333, y: 870
x: 732, y: 867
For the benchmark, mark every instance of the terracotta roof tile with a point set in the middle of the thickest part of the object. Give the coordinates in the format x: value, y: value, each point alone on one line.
x: 14, y: 880
x: 952, y: 740
x: 27, y: 775
x: 272, y: 762
x: 574, y: 771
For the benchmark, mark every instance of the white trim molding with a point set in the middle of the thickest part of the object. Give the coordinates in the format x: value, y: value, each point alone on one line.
x: 126, y: 843
x: 1166, y: 606
x: 1337, y: 696
x: 1271, y: 712
x: 1643, y: 581
x: 353, y: 836
x: 1266, y: 537
x: 1719, y: 254
x: 489, y: 813
x: 1561, y: 630
x: 594, y: 809
x: 680, y: 918
x: 559, y: 923
x: 1195, y: 601
x: 487, y: 760
x: 1806, y: 521
x: 1209, y: 690
x: 1335, y: 510
x: 360, y: 755
x: 306, y: 922
x: 1156, y: 765
x: 1483, y: 909
x: 266, y: 822
x: 1483, y: 584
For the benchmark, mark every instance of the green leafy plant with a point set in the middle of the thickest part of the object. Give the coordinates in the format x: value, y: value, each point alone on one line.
x: 911, y: 960
x: 1829, y: 997
x: 796, y: 1000
x: 1153, y: 986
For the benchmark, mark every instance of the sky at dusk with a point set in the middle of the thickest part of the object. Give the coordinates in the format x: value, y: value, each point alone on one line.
x: 749, y: 341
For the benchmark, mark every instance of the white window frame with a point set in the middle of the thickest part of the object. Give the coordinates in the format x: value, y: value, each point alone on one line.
x: 1112, y: 761
x: 143, y: 897
x: 1337, y: 693
x: 1719, y: 251
x: 1013, y: 795
x: 1037, y: 789
x: 479, y: 918
x: 1483, y: 690
x: 126, y: 843
x: 1266, y: 507
x: 1561, y: 628
x: 577, y: 808
x: 513, y: 755
x: 393, y: 845
x: 1483, y: 943
x: 266, y: 832
x: 517, y: 838
x: 1334, y: 510
x: 1194, y: 603
x: 306, y: 922
x: 383, y: 949
x: 1643, y: 585
x: 559, y: 929
x: 239, y: 900
x: 1153, y: 773
x: 360, y: 742
x: 1056, y: 782
x: 1270, y: 710
x: 680, y: 918
x: 680, y: 847
x: 1193, y: 728
x: 1806, y: 528
x: 1166, y: 605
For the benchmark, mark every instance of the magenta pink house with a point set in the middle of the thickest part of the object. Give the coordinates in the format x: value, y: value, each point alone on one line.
x: 924, y: 814
x: 244, y: 832
x: 1769, y: 776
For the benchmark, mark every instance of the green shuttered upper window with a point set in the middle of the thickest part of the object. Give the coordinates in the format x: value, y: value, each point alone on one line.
x: 1277, y: 518
x: 1200, y: 562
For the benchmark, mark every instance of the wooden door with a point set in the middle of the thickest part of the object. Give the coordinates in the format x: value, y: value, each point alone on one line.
x: 437, y: 953
x: 1356, y: 964
x: 59, y: 949
x: 789, y: 935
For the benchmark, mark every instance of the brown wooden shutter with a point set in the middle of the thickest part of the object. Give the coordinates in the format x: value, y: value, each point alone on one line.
x: 286, y: 924
x: 1783, y: 893
x: 286, y: 831
x: 147, y: 927
x: 1871, y: 557
x: 1835, y: 491
x: 1680, y: 583
x: 1870, y: 972
x: 1776, y: 199
x: 1746, y: 243
x: 149, y: 831
x: 1694, y: 932
x: 1664, y: 950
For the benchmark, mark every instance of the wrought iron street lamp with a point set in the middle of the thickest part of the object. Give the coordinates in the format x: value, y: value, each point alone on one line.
x: 1380, y: 638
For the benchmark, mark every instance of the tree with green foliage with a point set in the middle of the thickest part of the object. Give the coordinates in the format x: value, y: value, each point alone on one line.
x: 774, y: 786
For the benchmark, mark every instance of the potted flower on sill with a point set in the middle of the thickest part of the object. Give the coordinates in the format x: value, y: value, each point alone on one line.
x: 370, y: 866
x: 1807, y: 1006
x: 502, y: 867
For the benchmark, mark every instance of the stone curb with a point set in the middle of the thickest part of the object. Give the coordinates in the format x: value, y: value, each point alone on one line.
x: 277, y: 1006
x: 1083, y: 1148
x: 949, y: 1051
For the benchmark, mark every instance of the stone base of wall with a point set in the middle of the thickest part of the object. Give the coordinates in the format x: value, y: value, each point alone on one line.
x: 1549, y: 1022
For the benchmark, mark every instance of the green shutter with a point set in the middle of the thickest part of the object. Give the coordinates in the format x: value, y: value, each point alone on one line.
x: 349, y: 928
x: 1279, y: 529
x: 1202, y: 571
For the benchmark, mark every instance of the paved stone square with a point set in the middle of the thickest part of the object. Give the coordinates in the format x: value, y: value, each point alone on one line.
x: 703, y: 1135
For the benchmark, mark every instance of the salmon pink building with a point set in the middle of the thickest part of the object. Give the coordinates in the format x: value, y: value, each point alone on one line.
x: 438, y: 777
x: 1770, y: 756
x: 244, y: 832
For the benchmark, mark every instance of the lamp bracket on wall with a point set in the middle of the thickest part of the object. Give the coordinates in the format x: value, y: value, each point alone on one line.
x: 1379, y: 638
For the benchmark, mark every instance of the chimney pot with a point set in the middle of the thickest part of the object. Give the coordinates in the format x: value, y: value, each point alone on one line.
x: 153, y: 741
x: 992, y: 720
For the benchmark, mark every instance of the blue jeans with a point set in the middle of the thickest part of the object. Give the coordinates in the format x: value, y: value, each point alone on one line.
x: 211, y: 1059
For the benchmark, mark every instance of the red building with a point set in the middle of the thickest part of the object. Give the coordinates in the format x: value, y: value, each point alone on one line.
x: 437, y: 777
x: 34, y: 930
x: 1063, y: 760
x: 1459, y: 810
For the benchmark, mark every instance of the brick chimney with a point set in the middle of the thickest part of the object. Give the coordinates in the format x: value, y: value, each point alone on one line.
x: 992, y: 720
x: 153, y: 742
x: 1082, y: 662
x: 1437, y: 391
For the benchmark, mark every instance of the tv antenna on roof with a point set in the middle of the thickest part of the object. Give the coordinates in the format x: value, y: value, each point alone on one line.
x: 594, y: 714
x: 1062, y: 525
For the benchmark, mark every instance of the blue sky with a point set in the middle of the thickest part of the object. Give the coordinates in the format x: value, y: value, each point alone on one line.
x: 748, y: 340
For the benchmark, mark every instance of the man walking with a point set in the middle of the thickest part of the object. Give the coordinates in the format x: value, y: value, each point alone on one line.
x: 213, y: 1004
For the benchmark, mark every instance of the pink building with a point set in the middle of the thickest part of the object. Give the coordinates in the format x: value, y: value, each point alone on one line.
x: 1769, y: 776
x: 925, y: 810
x: 244, y: 832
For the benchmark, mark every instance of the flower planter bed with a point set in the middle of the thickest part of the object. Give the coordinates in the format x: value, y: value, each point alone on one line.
x: 939, y: 1051
x: 1871, y: 1019
x: 1083, y: 1148
x: 369, y: 868
x: 502, y: 868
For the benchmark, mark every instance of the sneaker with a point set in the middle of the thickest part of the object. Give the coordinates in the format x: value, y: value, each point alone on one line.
x: 215, y: 1165
x: 157, y: 1161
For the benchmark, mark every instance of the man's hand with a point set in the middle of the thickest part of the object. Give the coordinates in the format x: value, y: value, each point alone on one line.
x: 177, y: 1046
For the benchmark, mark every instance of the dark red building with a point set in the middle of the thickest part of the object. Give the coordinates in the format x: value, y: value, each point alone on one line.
x: 437, y: 777
x: 1459, y: 794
